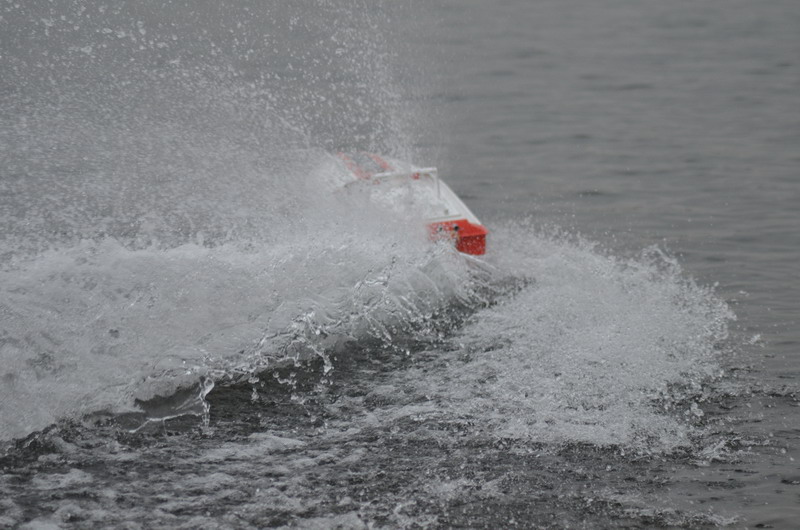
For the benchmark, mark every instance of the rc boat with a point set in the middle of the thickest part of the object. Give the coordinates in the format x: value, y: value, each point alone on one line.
x: 403, y: 186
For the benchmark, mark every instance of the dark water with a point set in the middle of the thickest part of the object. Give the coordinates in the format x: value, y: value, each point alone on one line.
x: 192, y: 334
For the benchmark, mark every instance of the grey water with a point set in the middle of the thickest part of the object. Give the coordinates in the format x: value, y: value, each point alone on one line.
x: 194, y: 334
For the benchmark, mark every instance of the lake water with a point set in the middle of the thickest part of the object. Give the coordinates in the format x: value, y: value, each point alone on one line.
x: 193, y: 335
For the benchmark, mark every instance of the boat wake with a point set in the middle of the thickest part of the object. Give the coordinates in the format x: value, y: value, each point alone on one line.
x: 602, y: 350
x: 100, y: 326
x: 547, y: 339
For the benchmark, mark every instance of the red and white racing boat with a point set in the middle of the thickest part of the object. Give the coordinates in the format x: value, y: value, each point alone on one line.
x: 403, y: 186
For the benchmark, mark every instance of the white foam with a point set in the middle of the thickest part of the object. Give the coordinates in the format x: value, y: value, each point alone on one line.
x: 96, y: 325
x: 586, y: 351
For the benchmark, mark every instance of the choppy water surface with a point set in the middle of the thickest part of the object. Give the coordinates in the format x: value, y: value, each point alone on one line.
x: 197, y: 333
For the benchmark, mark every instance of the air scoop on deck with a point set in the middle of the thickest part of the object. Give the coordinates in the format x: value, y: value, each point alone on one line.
x: 418, y: 191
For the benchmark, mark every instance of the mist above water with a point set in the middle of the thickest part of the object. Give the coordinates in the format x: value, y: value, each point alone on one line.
x: 163, y: 190
x: 167, y: 123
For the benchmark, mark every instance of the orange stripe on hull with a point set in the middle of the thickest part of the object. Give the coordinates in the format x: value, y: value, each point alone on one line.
x: 357, y: 170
